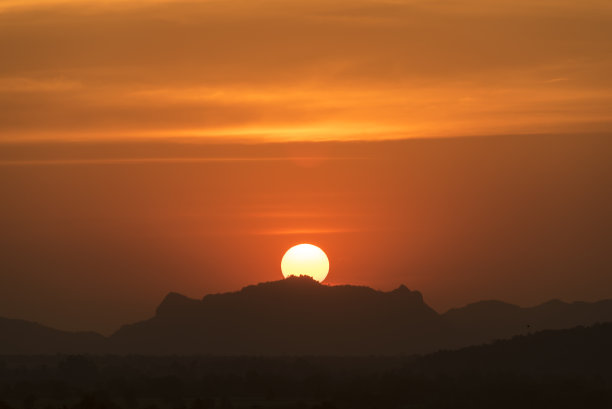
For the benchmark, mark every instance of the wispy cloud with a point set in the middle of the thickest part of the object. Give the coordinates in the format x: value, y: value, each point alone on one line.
x: 307, y: 230
x: 136, y: 161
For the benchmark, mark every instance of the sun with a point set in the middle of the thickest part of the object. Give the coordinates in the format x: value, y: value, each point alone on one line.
x: 305, y: 260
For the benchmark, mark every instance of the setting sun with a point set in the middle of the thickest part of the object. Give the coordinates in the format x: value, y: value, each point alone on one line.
x: 306, y: 260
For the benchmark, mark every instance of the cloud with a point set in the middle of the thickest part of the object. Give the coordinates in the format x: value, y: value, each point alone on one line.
x: 270, y: 70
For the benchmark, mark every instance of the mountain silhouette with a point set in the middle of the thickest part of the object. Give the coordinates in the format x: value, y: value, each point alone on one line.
x: 299, y: 316
x: 292, y: 316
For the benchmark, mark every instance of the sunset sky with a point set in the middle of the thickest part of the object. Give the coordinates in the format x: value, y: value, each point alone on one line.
x: 462, y: 148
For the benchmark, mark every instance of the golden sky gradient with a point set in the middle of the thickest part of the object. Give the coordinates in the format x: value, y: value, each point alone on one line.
x: 302, y: 70
x: 462, y: 148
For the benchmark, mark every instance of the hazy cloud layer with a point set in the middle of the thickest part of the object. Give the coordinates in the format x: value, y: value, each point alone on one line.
x: 297, y: 70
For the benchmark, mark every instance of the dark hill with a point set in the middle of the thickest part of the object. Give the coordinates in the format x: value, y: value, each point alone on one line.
x: 576, y: 352
x: 293, y: 316
x: 23, y: 337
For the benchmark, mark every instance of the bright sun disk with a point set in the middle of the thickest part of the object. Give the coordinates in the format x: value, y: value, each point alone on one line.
x: 307, y: 260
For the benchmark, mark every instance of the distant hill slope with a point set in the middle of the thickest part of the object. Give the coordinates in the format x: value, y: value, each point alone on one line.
x: 299, y: 316
x: 488, y: 320
x: 580, y: 351
x: 23, y: 337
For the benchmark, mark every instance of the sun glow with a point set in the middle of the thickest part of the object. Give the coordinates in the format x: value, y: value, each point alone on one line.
x: 307, y: 260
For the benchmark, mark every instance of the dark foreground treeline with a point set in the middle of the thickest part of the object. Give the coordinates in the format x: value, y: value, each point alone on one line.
x: 551, y: 369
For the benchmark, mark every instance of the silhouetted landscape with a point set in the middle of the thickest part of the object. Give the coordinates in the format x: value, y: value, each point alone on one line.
x: 299, y: 316
x: 296, y: 343
x: 548, y: 369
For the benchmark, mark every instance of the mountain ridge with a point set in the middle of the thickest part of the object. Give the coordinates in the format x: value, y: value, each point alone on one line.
x: 300, y: 316
x: 295, y: 315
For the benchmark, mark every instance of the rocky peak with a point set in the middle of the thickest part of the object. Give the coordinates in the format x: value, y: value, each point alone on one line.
x: 176, y: 304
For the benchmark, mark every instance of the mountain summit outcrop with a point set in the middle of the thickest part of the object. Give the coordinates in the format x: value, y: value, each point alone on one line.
x: 293, y: 316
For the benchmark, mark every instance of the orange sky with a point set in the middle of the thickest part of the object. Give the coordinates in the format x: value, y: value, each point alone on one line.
x: 280, y: 70
x: 462, y: 149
